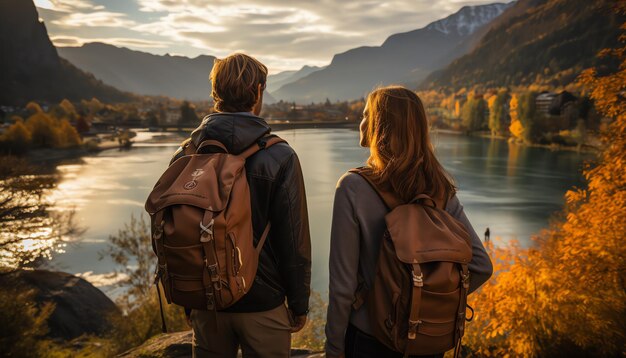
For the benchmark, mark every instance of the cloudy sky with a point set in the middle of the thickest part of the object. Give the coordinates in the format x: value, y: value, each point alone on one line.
x: 282, y: 34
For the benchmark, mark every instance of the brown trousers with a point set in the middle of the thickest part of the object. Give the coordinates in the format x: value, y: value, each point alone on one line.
x: 259, y: 334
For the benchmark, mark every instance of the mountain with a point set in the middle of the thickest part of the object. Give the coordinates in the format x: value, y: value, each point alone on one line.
x: 31, y: 68
x: 535, y: 41
x: 144, y: 73
x: 274, y: 82
x: 403, y: 58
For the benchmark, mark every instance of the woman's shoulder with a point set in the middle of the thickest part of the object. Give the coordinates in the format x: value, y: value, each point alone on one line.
x: 453, y: 205
x: 351, y: 180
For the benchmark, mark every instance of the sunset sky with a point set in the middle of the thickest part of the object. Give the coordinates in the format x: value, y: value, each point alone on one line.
x: 283, y: 34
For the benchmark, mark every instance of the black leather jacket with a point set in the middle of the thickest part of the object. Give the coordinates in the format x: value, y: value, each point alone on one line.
x: 277, y: 195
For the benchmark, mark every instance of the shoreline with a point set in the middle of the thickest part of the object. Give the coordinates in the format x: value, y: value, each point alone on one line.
x: 55, y: 155
x: 551, y: 147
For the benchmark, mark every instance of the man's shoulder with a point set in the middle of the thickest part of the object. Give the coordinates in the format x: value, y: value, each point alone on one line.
x: 279, y: 152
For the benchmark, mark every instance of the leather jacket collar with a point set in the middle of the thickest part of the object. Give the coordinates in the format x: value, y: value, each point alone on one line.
x: 237, y: 131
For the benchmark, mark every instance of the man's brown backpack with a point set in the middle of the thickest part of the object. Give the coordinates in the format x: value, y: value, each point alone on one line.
x: 202, y: 227
x: 418, y: 299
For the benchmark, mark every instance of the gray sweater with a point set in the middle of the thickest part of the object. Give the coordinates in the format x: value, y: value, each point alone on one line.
x: 357, y: 228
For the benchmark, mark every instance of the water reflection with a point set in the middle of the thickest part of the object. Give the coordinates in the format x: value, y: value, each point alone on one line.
x: 511, y: 189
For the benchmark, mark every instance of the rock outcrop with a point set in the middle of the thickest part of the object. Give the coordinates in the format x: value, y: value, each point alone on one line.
x: 80, y: 308
x: 178, y: 345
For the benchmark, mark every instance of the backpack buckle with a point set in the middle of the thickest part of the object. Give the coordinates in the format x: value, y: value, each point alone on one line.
x: 210, y: 301
x: 465, y: 279
x: 158, y: 230
x: 206, y: 232
x: 413, y: 329
x: 418, y: 280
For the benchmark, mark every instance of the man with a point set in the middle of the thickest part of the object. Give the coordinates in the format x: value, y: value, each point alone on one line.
x: 259, y: 323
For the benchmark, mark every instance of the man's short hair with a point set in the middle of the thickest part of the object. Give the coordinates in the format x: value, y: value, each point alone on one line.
x: 234, y: 82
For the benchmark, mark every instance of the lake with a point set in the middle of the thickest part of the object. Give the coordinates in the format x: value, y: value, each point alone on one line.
x: 513, y: 190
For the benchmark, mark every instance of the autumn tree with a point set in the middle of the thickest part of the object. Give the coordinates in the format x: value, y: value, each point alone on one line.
x: 516, y: 127
x: 33, y: 107
x: 68, y: 135
x: 43, y: 130
x: 16, y: 139
x: 64, y: 110
x: 92, y: 106
x: 566, y: 295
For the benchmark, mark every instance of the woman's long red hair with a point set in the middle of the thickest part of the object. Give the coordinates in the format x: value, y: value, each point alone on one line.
x: 402, y: 158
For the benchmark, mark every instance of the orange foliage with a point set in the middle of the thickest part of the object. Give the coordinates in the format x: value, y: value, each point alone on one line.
x: 516, y: 128
x: 566, y: 295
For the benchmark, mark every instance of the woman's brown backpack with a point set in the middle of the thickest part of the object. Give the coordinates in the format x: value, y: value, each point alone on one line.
x: 418, y: 299
x: 202, y: 227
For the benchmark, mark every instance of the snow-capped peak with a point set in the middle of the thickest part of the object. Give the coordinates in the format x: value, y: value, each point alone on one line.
x: 465, y: 21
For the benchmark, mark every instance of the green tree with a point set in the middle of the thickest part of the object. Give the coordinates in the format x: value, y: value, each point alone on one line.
x: 497, y: 114
x: 527, y: 112
x: 473, y: 113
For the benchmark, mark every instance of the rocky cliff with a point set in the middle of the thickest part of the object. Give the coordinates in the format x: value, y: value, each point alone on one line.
x: 30, y: 68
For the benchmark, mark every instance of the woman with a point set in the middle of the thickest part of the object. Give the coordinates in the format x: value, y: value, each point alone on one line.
x: 402, y: 160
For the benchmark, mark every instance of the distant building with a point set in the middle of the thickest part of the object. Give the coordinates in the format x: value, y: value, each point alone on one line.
x: 543, y: 102
x: 171, y: 116
x: 560, y: 102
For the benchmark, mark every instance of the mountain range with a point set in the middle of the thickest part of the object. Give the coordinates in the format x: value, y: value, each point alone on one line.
x: 148, y: 74
x: 144, y: 73
x: 30, y: 66
x: 274, y: 82
x: 536, y: 41
x: 405, y: 58
x: 519, y: 43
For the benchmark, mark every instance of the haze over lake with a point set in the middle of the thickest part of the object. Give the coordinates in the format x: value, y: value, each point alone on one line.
x: 511, y: 189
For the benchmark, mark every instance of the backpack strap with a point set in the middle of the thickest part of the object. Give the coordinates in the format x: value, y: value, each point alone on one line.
x: 460, y: 319
x: 391, y: 200
x: 161, y: 268
x: 263, y: 143
x: 414, y: 308
x: 259, y: 245
x: 187, y: 147
x: 209, y: 143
